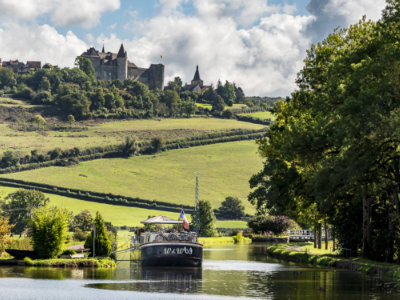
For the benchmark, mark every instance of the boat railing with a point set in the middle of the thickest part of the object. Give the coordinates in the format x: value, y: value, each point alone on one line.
x: 157, y: 237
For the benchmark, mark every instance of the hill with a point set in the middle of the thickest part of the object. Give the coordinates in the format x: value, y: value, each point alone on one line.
x: 169, y: 176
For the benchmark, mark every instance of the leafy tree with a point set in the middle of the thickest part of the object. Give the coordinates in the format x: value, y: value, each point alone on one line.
x: 102, y: 242
x: 48, y: 230
x: 71, y: 120
x: 240, y: 96
x: 172, y: 100
x: 130, y: 147
x: 206, y: 219
x: 5, y: 231
x: 275, y: 224
x: 231, y: 208
x: 8, y: 159
x: 156, y: 144
x: 189, y: 107
x: 39, y: 121
x: 83, y: 221
x: 19, y: 205
x: 85, y: 64
x: 229, y: 94
x: 7, y: 77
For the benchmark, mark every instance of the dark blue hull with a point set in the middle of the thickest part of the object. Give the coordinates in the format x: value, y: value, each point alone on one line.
x: 178, y: 254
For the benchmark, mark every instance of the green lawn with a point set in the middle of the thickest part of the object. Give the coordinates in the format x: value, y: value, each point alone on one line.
x: 90, y: 134
x: 231, y: 224
x: 225, y: 170
x: 204, y: 105
x: 262, y: 115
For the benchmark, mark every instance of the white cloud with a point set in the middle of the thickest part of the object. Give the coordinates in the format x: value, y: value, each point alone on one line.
x: 263, y: 58
x: 84, y: 13
x: 330, y: 14
x: 42, y: 43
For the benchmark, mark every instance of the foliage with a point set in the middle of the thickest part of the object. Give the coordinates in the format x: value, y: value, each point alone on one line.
x: 156, y: 144
x: 130, y: 147
x: 332, y: 153
x: 5, y: 230
x: 18, y: 207
x: 80, y: 235
x: 206, y: 221
x: 83, y: 221
x: 102, y: 243
x: 48, y: 230
x: 231, y: 208
x: 275, y: 224
x: 71, y: 263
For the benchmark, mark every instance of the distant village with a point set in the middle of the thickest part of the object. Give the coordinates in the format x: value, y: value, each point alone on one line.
x: 110, y: 66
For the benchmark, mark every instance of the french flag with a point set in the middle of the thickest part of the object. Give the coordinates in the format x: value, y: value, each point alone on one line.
x: 185, y: 221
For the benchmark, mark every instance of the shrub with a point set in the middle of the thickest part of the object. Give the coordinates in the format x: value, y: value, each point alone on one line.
x: 275, y: 224
x: 68, y: 252
x: 48, y: 229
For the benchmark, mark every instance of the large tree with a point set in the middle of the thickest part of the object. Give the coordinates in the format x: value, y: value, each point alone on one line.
x: 333, y: 152
x: 18, y: 207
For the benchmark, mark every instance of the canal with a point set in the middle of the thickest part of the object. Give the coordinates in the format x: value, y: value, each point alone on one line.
x: 228, y: 272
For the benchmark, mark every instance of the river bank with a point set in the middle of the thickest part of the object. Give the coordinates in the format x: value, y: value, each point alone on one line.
x: 62, y: 262
x: 289, y: 252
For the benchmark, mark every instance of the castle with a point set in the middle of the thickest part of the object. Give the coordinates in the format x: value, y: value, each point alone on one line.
x: 109, y: 66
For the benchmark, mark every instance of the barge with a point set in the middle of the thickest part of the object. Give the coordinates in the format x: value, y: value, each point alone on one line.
x: 164, y: 247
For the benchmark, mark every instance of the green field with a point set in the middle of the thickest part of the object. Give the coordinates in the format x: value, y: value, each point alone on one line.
x: 117, y: 215
x: 90, y: 134
x: 262, y: 115
x: 225, y: 170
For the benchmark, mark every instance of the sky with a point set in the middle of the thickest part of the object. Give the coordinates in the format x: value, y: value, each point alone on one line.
x: 258, y: 44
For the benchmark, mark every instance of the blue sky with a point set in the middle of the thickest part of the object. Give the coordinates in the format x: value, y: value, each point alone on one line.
x: 258, y: 44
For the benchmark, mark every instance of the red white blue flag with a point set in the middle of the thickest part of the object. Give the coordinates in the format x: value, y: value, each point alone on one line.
x: 185, y: 221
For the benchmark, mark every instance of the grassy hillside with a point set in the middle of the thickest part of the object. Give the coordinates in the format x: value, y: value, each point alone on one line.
x: 118, y: 215
x: 89, y: 134
x: 262, y: 115
x: 225, y: 170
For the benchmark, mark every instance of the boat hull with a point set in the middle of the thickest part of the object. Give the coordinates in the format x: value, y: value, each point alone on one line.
x: 172, y: 254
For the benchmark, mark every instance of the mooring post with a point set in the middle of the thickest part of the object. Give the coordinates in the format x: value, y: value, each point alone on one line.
x: 94, y: 240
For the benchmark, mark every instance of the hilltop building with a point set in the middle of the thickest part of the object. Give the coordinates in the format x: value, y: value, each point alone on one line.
x: 109, y: 66
x: 20, y: 67
x: 197, y: 84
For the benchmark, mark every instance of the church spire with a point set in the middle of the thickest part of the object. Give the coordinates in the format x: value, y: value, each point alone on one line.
x: 102, y: 50
x: 197, y: 74
x: 121, y: 52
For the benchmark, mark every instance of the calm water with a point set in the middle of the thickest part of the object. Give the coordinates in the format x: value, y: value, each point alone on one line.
x: 227, y: 273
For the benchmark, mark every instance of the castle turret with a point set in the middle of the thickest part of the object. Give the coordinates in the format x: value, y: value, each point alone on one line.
x: 122, y: 63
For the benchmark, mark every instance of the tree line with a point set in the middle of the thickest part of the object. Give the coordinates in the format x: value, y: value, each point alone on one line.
x: 333, y: 154
x: 76, y: 92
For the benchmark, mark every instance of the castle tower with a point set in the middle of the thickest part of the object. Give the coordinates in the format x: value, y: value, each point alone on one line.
x: 196, y: 79
x: 122, y: 64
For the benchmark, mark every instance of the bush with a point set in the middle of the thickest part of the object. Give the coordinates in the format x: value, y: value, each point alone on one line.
x: 68, y: 252
x: 275, y: 224
x: 48, y: 229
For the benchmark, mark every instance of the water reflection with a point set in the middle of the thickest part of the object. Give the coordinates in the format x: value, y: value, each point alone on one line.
x: 158, y: 280
x: 229, y: 271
